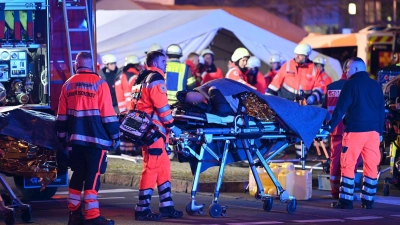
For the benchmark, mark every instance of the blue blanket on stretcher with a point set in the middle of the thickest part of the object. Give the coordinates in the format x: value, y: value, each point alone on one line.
x: 304, y: 121
x: 34, y: 127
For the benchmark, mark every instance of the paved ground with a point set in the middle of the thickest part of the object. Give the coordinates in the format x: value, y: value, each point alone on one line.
x: 118, y: 203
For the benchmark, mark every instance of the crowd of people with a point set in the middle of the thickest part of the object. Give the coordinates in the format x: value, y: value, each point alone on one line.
x: 88, y: 122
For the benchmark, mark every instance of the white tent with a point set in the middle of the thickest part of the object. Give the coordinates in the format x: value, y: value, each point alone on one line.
x: 126, y: 32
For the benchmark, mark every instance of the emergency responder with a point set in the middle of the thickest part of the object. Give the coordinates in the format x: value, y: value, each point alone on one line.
x: 131, y: 69
x: 193, y: 63
x: 156, y: 167
x: 210, y: 71
x: 112, y: 75
x: 178, y: 75
x: 298, y: 76
x: 237, y: 72
x: 275, y: 63
x: 320, y: 63
x: 254, y: 76
x: 361, y: 102
x: 329, y: 103
x: 87, y: 122
x: 123, y: 91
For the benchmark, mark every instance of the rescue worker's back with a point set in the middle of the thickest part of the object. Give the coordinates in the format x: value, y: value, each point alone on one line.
x: 361, y: 94
x: 85, y: 104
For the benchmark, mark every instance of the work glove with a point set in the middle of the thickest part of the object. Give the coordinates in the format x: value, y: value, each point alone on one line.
x: 177, y: 132
x: 380, y: 138
x: 310, y: 100
x: 116, y: 143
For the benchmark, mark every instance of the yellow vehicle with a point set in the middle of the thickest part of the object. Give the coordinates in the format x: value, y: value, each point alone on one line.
x: 373, y: 44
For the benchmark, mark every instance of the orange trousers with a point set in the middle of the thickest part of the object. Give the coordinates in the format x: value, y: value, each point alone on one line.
x: 334, y: 170
x: 364, y: 143
x: 156, y: 168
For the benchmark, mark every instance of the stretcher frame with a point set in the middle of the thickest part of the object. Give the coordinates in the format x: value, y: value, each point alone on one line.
x: 9, y: 204
x: 270, y: 130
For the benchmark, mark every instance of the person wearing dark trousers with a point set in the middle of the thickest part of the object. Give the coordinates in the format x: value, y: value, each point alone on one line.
x: 86, y: 122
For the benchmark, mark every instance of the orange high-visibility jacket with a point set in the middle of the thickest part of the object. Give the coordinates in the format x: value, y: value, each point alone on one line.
x: 261, y: 84
x: 212, y: 75
x: 153, y: 97
x: 270, y: 76
x: 123, y: 92
x: 123, y: 88
x: 293, y: 78
x: 326, y: 78
x: 234, y: 73
x: 85, y: 114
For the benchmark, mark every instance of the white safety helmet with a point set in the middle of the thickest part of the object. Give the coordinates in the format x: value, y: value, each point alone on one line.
x: 174, y: 50
x: 106, y: 59
x: 320, y: 60
x: 206, y: 51
x: 303, y: 49
x: 275, y: 58
x: 253, y: 62
x: 155, y: 48
x: 132, y: 59
x: 239, y: 53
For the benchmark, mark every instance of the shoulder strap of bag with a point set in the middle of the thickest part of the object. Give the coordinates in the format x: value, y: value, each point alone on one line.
x: 138, y: 96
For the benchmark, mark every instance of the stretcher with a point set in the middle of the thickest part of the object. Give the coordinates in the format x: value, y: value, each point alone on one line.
x: 218, y: 141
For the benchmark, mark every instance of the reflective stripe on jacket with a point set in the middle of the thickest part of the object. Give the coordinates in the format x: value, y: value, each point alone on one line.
x: 234, y: 73
x: 293, y: 78
x: 85, y: 113
x: 154, y: 99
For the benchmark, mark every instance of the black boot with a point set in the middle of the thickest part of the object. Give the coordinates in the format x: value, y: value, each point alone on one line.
x: 99, y: 221
x: 147, y: 215
x: 142, y: 209
x: 76, y: 217
x: 170, y: 212
x: 368, y: 192
x: 346, y: 194
x: 166, y: 204
x: 342, y: 205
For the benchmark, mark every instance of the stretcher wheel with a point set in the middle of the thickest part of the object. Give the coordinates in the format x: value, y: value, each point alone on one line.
x: 9, y: 217
x: 191, y: 212
x: 215, y: 210
x: 386, y: 190
x: 26, y: 214
x: 267, y: 204
x: 291, y: 206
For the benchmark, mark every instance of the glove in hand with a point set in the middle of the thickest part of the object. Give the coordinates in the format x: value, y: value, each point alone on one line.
x: 310, y: 100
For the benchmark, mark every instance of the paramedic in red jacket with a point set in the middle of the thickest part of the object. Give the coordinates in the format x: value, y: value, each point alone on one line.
x: 238, y: 71
x: 129, y: 75
x: 86, y: 121
x: 209, y: 71
x: 254, y: 76
x: 275, y: 63
x: 299, y: 75
x: 156, y: 164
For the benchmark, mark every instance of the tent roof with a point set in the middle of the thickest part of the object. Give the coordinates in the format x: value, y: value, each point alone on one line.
x: 127, y: 32
x: 256, y: 16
